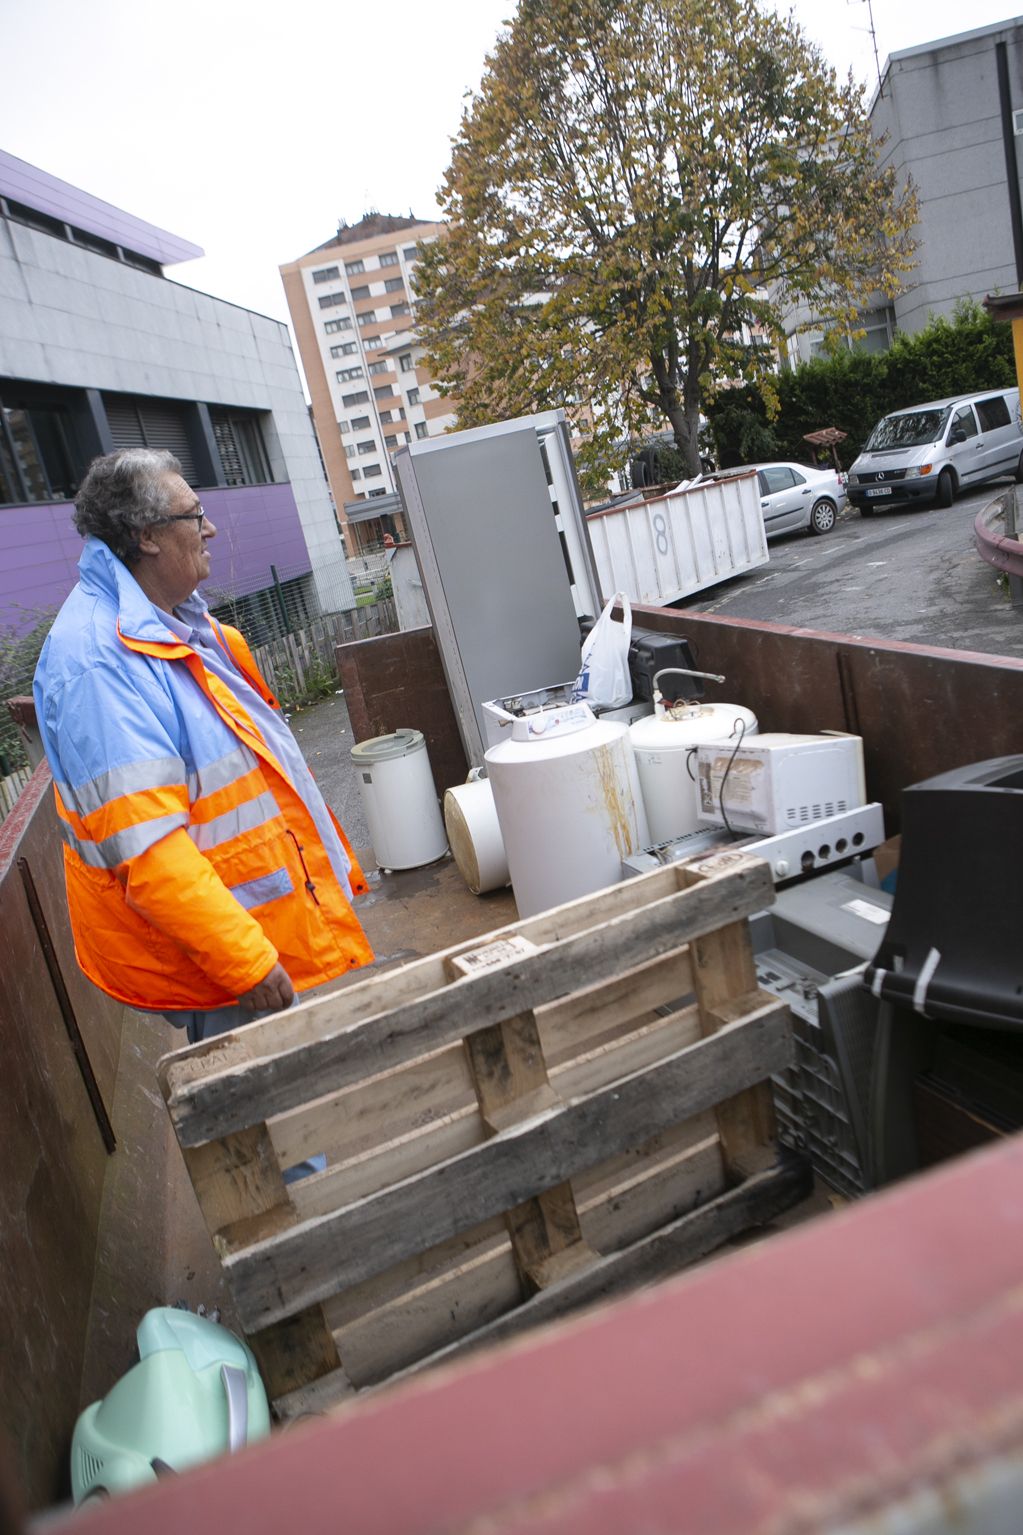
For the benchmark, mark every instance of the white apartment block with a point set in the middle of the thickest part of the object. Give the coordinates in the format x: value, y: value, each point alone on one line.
x: 352, y: 304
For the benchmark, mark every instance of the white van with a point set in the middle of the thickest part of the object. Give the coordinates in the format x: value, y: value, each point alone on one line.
x: 930, y: 452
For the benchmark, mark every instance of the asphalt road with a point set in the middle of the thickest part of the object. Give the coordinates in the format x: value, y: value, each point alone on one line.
x: 324, y: 733
x: 902, y: 574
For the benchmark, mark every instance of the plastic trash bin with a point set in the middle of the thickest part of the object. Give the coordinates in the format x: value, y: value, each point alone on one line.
x: 400, y: 801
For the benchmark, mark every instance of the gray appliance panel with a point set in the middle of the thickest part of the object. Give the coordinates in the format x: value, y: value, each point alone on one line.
x: 493, y: 570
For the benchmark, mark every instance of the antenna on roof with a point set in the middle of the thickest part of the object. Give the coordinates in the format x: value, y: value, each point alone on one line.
x: 873, y: 38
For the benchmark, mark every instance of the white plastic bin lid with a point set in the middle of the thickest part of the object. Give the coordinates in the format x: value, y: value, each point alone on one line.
x: 381, y: 748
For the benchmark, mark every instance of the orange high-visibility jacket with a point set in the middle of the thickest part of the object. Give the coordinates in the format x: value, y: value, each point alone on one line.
x: 192, y: 863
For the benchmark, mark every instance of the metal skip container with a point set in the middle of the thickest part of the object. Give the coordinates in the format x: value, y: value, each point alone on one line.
x: 665, y: 547
x: 568, y: 801
x: 400, y: 800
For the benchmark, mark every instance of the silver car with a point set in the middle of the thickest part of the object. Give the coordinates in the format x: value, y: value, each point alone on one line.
x: 794, y: 496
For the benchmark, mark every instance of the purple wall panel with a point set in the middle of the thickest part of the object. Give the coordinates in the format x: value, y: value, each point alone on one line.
x: 38, y: 189
x: 257, y: 526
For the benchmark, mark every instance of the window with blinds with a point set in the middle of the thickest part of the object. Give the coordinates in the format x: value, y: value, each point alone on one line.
x: 239, y: 440
x: 138, y: 422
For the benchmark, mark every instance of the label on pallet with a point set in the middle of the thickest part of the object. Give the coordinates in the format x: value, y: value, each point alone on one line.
x: 494, y: 955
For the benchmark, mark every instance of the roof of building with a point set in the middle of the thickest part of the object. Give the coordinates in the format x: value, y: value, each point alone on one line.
x: 957, y: 39
x: 43, y: 193
x: 369, y: 226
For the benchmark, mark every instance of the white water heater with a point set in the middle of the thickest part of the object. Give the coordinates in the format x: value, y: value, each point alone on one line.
x: 665, y: 746
x: 474, y: 832
x: 569, y: 804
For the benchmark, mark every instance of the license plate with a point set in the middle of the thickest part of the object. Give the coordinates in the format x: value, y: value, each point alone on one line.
x: 882, y: 490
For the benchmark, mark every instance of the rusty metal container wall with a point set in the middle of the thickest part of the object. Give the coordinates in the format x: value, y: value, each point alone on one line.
x: 54, y: 1158
x: 872, y: 1384
x: 921, y: 710
x: 90, y: 1237
x: 673, y: 545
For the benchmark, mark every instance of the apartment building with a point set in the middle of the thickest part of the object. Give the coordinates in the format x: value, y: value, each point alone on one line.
x: 99, y: 349
x: 352, y: 304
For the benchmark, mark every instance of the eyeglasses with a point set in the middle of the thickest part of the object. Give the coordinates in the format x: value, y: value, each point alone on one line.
x: 196, y: 516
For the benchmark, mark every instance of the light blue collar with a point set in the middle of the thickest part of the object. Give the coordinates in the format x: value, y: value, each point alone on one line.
x: 102, y: 573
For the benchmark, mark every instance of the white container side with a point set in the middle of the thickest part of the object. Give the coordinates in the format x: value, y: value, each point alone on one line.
x: 570, y: 811
x: 670, y: 546
x: 400, y: 800
x: 474, y: 832
x: 665, y: 749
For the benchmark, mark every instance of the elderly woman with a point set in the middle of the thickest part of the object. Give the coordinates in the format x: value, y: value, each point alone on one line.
x: 206, y: 878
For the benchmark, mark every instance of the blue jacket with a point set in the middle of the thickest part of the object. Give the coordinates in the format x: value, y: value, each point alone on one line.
x: 192, y: 863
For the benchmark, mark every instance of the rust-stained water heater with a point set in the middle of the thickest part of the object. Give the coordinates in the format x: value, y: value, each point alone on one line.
x: 568, y: 800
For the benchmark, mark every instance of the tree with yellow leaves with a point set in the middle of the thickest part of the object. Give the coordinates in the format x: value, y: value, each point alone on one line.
x: 637, y: 192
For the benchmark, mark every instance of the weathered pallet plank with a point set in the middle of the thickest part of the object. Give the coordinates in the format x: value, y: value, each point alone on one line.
x: 363, y: 1116
x: 296, y: 1268
x: 220, y: 1101
x: 373, y: 994
x: 756, y: 1202
x: 510, y: 1076
x: 430, y: 1315
x: 401, y: 1156
x: 724, y: 974
x: 237, y: 1182
x: 759, y: 1200
x: 619, y: 1200
x: 383, y: 1326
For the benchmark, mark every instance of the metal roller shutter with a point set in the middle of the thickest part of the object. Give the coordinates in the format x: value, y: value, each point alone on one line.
x: 136, y: 422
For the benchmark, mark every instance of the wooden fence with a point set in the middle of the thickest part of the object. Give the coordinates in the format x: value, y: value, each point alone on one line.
x: 10, y: 787
x: 297, y: 664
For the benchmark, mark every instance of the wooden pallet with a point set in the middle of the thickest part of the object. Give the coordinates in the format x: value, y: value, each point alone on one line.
x: 520, y: 1125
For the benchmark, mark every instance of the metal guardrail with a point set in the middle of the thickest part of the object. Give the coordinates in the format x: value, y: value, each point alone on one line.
x: 1003, y: 548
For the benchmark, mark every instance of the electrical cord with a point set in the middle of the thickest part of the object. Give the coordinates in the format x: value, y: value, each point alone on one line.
x: 739, y: 725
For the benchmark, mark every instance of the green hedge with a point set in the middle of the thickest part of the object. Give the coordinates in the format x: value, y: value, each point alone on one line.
x: 853, y: 390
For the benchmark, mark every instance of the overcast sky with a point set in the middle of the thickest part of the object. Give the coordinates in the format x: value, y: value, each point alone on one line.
x: 251, y: 127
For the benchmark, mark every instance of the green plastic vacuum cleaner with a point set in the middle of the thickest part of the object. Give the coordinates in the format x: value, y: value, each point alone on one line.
x: 195, y: 1393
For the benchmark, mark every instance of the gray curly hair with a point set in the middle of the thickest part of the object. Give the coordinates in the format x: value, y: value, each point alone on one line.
x: 124, y: 493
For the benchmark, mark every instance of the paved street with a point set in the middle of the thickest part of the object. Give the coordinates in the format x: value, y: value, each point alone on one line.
x: 900, y: 575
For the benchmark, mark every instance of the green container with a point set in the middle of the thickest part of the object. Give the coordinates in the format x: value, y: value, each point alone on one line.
x: 195, y: 1393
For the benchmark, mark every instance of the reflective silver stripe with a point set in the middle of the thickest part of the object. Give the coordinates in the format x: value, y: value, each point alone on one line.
x: 924, y: 980
x: 267, y: 887
x: 223, y: 827
x: 124, y: 844
x: 225, y: 770
x: 129, y: 778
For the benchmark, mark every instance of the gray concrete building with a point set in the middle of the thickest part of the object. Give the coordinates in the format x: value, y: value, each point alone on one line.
x: 99, y: 349
x: 951, y: 115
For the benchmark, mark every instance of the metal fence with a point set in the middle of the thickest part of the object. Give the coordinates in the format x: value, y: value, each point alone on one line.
x: 367, y: 569
x: 290, y: 598
x: 300, y: 666
x: 20, y: 645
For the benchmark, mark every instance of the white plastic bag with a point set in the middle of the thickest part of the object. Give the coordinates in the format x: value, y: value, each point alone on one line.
x: 604, y: 674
